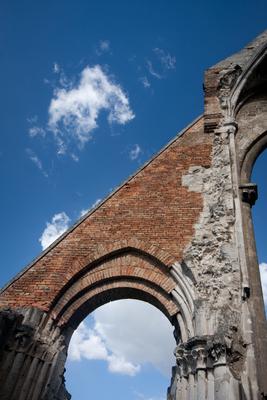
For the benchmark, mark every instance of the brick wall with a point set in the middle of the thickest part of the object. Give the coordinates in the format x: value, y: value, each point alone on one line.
x: 152, y: 210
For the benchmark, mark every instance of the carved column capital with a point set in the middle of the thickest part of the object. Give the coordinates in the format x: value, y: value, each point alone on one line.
x: 205, y: 352
x: 229, y: 127
x: 192, y: 356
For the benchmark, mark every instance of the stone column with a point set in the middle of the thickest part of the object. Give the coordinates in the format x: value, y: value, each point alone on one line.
x: 208, y: 368
x: 32, y: 357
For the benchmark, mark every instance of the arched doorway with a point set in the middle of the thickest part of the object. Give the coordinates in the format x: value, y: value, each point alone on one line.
x: 43, y: 338
x: 125, y: 349
x: 249, y: 107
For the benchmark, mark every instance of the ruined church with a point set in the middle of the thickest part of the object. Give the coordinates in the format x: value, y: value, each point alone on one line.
x: 178, y: 235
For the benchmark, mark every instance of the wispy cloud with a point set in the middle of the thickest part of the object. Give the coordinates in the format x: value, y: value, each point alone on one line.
x: 74, y: 157
x: 36, y: 130
x: 95, y: 204
x: 56, y: 68
x: 54, y: 229
x: 133, y: 344
x: 75, y: 108
x: 135, y: 152
x: 167, y: 61
x: 164, y: 62
x: 36, y: 160
x: 152, y: 71
x: 84, y: 211
x: 103, y: 47
x: 145, y: 82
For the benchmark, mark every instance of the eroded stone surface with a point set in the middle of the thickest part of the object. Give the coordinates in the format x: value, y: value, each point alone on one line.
x: 212, y: 254
x: 32, y: 357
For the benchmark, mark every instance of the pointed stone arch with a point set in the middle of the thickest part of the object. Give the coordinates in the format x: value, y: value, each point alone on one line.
x: 43, y: 337
x: 247, y: 83
x: 121, y: 267
x: 251, y: 140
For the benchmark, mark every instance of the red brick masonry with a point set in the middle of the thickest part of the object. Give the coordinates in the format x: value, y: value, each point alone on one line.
x: 152, y: 212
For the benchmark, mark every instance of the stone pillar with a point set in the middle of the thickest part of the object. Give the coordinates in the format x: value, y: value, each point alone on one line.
x: 208, y: 367
x: 32, y: 357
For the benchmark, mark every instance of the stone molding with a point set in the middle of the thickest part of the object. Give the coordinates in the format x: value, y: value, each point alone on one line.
x: 226, y: 84
x: 208, y: 352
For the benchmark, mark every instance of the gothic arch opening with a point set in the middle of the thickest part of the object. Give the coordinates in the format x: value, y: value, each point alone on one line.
x: 126, y: 273
x: 251, y: 141
x: 250, y: 81
x: 124, y: 344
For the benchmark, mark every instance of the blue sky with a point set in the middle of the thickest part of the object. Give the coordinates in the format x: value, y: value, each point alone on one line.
x: 147, y: 60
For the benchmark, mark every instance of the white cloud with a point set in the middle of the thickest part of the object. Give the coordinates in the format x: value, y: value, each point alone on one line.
x: 135, y: 152
x: 56, y: 68
x: 64, y: 82
x: 84, y: 211
x: 32, y: 120
x: 152, y: 71
x: 167, y: 61
x: 36, y: 130
x: 164, y: 62
x: 96, y: 203
x: 34, y: 158
x: 263, y: 272
x: 130, y: 341
x: 136, y: 340
x: 74, y: 157
x: 87, y: 343
x: 103, y: 47
x: 60, y: 223
x: 119, y: 365
x: 145, y: 82
x: 74, y: 111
